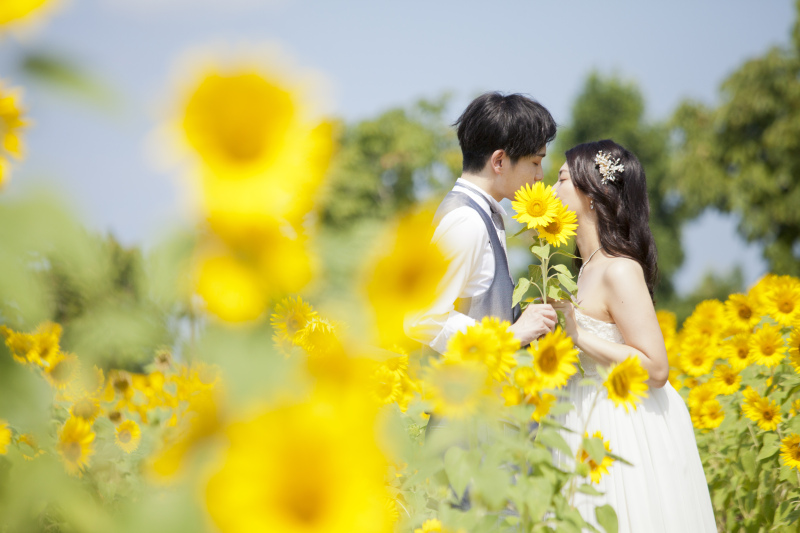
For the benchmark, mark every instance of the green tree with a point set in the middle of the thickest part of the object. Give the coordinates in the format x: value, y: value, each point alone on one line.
x: 390, y: 162
x: 743, y: 156
x: 611, y: 108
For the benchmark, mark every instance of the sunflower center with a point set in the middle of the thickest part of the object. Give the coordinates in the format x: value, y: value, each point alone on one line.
x: 745, y: 313
x: 768, y: 349
x: 786, y: 306
x: 72, y: 451
x: 742, y: 353
x: 548, y: 360
x: 554, y: 227
x: 621, y: 385
x: 794, y: 451
x: 768, y: 415
x: 536, y: 208
x: 125, y: 436
x: 84, y: 409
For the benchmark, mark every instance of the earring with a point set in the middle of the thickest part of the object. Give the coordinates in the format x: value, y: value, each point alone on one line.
x: 591, y: 204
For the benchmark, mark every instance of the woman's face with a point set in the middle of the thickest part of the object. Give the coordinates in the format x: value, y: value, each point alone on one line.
x: 569, y: 194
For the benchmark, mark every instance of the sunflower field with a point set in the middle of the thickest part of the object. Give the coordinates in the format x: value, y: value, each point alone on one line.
x: 206, y: 385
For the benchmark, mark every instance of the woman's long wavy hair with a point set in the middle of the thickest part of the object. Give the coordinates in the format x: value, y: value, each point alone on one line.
x: 622, y: 207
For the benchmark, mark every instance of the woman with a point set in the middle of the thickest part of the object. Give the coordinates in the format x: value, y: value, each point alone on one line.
x: 665, y: 490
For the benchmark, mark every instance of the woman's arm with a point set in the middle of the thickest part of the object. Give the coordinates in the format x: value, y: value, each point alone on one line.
x: 629, y: 304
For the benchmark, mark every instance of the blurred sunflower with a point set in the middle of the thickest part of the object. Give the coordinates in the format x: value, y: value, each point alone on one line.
x: 62, y: 369
x: 561, y: 228
x: 767, y: 346
x: 626, y: 383
x: 323, y: 474
x: 12, y: 119
x: 290, y: 317
x: 702, y: 393
x: 5, y: 436
x: 128, y: 436
x: 707, y: 415
x: 737, y: 351
x: 535, y: 205
x: 740, y: 313
x: 543, y: 402
x: 554, y: 358
x: 794, y: 348
x: 87, y: 408
x: 762, y: 411
x: 386, y: 386
x: 75, y: 445
x: 697, y: 355
x: 488, y: 342
x: 597, y: 470
x: 782, y: 301
x: 455, y: 388
x: 726, y: 379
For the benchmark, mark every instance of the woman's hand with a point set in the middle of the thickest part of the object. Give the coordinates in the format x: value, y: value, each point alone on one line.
x: 566, y: 307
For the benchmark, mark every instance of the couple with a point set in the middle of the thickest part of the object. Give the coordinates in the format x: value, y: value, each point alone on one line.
x: 503, y: 140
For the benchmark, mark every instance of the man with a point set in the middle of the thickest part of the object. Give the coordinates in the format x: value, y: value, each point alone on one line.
x: 503, y: 140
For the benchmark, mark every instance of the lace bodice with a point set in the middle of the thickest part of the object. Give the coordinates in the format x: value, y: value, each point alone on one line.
x: 604, y: 330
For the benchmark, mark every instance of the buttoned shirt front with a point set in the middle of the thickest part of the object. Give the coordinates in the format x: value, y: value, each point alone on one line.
x: 462, y: 236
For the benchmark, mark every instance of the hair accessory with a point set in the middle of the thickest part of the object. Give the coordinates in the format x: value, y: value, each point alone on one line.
x: 608, y: 167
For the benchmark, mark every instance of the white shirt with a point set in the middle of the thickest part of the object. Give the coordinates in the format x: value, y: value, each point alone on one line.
x: 463, y: 238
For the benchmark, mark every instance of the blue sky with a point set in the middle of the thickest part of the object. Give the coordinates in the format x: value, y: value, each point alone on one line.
x: 375, y: 54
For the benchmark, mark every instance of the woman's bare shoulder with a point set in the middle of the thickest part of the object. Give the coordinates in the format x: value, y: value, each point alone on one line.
x: 622, y: 270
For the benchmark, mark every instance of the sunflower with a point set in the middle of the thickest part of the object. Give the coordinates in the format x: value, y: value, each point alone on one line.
x: 456, y: 388
x: 562, y: 227
x: 782, y: 302
x: 726, y: 379
x: 75, y: 444
x: 5, y: 436
x: 402, y: 278
x: 740, y: 313
x: 391, y: 509
x: 707, y: 415
x: 289, y: 319
x: 790, y: 451
x: 626, y: 383
x: 702, y: 393
x: 543, y: 402
x: 489, y: 342
x: 11, y: 113
x: 554, y: 358
x: 767, y: 346
x: 794, y: 348
x: 87, y: 408
x: 128, y: 436
x: 794, y: 410
x: 430, y: 526
x: 386, y: 386
x: 323, y: 474
x: 18, y: 10
x: 597, y: 470
x: 320, y: 338
x: 697, y: 355
x: 511, y: 395
x: 765, y: 413
x: 737, y: 351
x: 62, y: 370
x: 535, y: 205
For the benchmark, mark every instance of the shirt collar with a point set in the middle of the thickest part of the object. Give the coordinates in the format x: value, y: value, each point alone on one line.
x: 493, y: 204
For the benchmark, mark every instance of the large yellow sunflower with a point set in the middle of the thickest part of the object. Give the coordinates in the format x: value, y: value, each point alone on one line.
x: 128, y: 436
x: 561, y: 228
x: 307, y: 468
x: 535, y: 205
x: 767, y: 346
x: 554, y: 358
x: 790, y: 451
x: 697, y: 355
x: 597, y: 470
x: 75, y: 445
x: 626, y: 383
x: 707, y: 415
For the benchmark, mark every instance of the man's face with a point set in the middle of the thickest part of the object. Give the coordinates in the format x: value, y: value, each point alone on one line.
x: 526, y: 171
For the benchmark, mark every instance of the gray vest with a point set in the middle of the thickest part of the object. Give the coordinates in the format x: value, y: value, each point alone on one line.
x: 497, y: 300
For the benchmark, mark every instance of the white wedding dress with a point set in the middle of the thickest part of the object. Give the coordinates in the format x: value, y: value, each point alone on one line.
x: 665, y: 491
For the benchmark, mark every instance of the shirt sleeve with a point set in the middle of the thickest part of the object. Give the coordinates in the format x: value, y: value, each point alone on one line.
x: 461, y: 236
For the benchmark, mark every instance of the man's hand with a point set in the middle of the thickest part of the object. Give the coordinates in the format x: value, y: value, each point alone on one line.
x: 535, y: 321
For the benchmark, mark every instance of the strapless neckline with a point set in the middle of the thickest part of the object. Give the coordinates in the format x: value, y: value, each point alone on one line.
x: 595, y: 319
x: 605, y: 330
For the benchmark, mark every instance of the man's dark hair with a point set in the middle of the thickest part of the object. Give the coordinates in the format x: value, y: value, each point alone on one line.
x: 514, y: 123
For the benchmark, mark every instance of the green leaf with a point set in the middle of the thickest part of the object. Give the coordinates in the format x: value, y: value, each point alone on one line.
x: 590, y: 490
x: 539, y: 492
x: 561, y: 408
x: 594, y: 447
x: 555, y: 293
x: 566, y: 254
x: 564, y: 269
x: 567, y: 282
x: 552, y: 439
x: 520, y: 290
x: 607, y: 517
x: 542, y: 252
x: 457, y: 468
x: 748, y: 459
x: 770, y: 447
